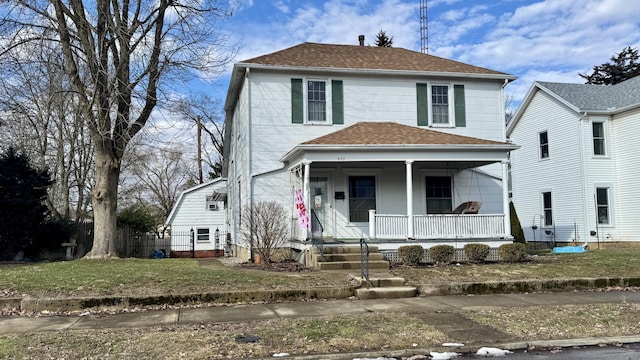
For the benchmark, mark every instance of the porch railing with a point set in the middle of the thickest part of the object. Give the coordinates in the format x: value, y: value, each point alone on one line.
x: 446, y: 226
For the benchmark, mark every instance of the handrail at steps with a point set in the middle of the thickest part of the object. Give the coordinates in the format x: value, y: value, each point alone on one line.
x: 364, y: 261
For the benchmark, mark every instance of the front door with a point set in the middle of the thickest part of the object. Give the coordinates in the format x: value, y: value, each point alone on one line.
x: 319, y: 190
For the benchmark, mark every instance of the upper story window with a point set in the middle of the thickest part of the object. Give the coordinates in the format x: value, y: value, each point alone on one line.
x: 316, y: 101
x: 441, y: 105
x: 544, y: 145
x: 598, y: 138
x: 319, y: 102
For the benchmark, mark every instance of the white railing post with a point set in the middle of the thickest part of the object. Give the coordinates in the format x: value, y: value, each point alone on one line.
x: 409, y: 199
x: 372, y: 224
x: 505, y: 199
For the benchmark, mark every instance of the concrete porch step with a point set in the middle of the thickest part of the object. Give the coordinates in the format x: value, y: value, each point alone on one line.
x: 353, y: 265
x: 386, y: 281
x: 394, y: 292
x: 343, y: 250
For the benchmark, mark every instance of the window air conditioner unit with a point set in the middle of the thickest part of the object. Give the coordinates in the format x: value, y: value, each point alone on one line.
x: 213, y: 207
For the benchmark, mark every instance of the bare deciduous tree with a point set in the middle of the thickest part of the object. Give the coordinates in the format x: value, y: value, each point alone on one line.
x: 41, y: 120
x: 116, y: 53
x: 265, y: 229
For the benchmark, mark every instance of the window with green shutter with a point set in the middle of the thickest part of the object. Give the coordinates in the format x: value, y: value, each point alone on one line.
x: 459, y: 105
x: 422, y: 99
x: 337, y: 102
x: 297, y: 104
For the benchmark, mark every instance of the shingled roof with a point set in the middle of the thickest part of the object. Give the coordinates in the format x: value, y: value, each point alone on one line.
x: 314, y: 55
x: 390, y: 133
x: 586, y: 97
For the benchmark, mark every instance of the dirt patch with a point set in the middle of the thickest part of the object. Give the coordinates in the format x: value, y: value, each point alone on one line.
x: 286, y: 266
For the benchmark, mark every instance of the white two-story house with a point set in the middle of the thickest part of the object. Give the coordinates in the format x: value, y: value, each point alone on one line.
x: 377, y: 143
x: 575, y: 175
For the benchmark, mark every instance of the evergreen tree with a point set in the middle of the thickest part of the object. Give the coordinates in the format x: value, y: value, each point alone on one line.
x: 516, y: 228
x: 622, y: 66
x: 382, y: 40
x: 23, y: 190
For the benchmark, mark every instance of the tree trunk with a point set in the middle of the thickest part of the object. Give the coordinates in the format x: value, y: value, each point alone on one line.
x: 105, y: 201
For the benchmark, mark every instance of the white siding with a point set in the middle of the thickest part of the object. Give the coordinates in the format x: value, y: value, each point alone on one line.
x: 263, y: 134
x: 623, y: 141
x: 192, y: 213
x: 561, y: 173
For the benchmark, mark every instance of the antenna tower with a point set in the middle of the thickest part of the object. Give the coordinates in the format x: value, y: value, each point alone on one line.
x: 424, y: 28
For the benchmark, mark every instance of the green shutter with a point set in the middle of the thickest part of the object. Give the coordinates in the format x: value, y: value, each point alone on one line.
x: 423, y: 104
x: 297, y: 104
x: 459, y: 105
x: 337, y: 102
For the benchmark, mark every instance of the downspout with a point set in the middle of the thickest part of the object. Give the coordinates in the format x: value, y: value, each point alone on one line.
x: 247, y: 72
x: 583, y: 165
x: 505, y: 169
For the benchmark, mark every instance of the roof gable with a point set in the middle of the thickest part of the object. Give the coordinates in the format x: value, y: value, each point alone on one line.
x: 365, y: 57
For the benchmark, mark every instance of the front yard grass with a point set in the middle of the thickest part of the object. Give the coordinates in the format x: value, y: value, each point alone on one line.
x: 132, y: 277
x: 592, y: 264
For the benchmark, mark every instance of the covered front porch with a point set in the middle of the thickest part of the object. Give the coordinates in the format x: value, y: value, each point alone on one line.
x: 449, y: 192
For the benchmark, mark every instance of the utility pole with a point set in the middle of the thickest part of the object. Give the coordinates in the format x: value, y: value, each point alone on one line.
x: 199, y: 149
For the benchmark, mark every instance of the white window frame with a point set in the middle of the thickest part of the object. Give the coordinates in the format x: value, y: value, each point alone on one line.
x: 604, y: 139
x: 540, y: 157
x: 546, y: 222
x: 450, y: 104
x: 327, y: 101
x: 203, y: 235
x: 349, y: 172
x: 609, y: 205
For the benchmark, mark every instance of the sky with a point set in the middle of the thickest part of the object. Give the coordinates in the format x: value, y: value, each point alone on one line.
x: 546, y: 40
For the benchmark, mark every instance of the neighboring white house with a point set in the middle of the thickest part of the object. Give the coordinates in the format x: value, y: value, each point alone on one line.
x: 198, y: 214
x: 368, y: 142
x: 575, y: 176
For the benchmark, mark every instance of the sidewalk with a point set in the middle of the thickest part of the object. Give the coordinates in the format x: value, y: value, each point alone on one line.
x: 443, y: 312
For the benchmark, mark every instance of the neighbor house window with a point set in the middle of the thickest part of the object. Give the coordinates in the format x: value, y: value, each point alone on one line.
x: 439, y: 193
x: 202, y: 235
x: 602, y: 203
x: 544, y: 145
x: 362, y: 197
x: 598, y: 138
x: 547, y: 209
x: 440, y: 104
x: 316, y: 101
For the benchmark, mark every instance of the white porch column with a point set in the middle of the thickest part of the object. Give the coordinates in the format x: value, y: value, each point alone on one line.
x: 372, y: 224
x: 409, y: 176
x: 305, y: 192
x: 505, y: 198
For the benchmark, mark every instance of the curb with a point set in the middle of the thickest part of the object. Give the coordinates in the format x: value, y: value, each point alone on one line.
x: 122, y: 302
x: 526, y: 286
x: 470, y: 351
x: 477, y: 288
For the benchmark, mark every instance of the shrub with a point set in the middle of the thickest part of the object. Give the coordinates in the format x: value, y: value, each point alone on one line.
x: 411, y: 254
x: 476, y: 253
x: 516, y: 228
x: 514, y: 252
x: 442, y: 254
x: 265, y: 229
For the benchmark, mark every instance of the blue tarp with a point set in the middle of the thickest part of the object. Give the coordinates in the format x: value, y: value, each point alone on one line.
x: 569, y: 249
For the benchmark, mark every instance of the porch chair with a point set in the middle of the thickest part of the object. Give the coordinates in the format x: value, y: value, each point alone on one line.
x: 469, y: 207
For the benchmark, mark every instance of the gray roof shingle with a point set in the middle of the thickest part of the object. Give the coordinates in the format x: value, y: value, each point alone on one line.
x: 588, y: 97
